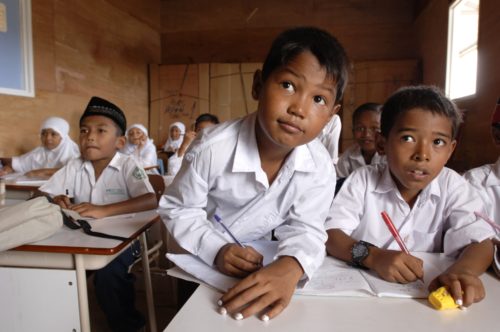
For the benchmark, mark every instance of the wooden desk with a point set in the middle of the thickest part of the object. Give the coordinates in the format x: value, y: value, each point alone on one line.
x: 73, y: 250
x: 20, y: 190
x: 309, y: 313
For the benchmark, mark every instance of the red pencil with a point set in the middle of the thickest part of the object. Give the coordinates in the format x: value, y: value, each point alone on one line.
x: 394, y: 232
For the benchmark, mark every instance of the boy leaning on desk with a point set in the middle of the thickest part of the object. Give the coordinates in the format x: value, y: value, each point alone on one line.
x: 262, y: 172
x: 103, y: 182
x: 431, y: 205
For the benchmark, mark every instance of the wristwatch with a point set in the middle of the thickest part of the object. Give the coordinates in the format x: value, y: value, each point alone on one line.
x: 359, y: 251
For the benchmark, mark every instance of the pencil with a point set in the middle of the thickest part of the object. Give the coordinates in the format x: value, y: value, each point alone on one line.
x: 219, y: 220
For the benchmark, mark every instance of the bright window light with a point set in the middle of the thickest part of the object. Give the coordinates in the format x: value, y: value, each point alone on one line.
x: 461, y: 73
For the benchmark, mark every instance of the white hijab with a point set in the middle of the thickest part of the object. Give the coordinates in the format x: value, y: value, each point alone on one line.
x: 66, y: 150
x: 132, y: 148
x: 175, y: 144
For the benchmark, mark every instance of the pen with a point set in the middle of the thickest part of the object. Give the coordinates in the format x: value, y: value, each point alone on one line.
x: 394, y: 232
x: 219, y: 220
x: 488, y: 220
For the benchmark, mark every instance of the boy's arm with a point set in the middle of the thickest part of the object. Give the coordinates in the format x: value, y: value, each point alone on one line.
x: 462, y: 278
x: 391, y: 265
x: 136, y: 204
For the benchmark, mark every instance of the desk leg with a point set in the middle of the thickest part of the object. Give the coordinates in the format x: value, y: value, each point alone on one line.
x: 147, y: 283
x: 83, y: 301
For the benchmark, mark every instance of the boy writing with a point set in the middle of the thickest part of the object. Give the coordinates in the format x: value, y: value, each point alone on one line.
x: 104, y: 182
x: 262, y: 172
x: 431, y: 205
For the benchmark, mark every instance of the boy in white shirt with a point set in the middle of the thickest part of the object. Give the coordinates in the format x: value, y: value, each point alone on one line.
x: 104, y: 182
x: 365, y: 127
x: 262, y: 172
x: 431, y: 206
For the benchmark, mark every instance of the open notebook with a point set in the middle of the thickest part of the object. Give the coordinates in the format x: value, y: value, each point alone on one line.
x: 333, y: 278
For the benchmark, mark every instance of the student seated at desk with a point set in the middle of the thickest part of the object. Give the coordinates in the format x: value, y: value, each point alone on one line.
x: 105, y: 182
x: 56, y: 150
x: 263, y: 172
x: 176, y: 133
x: 487, y: 177
x: 141, y: 147
x: 365, y: 127
x: 203, y: 121
x: 431, y: 205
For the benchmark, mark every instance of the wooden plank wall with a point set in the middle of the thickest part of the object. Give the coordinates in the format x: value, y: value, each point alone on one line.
x: 475, y: 145
x: 81, y: 49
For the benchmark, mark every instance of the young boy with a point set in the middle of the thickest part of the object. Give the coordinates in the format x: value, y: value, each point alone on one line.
x: 104, y: 182
x: 265, y: 172
x: 431, y: 205
x: 365, y: 127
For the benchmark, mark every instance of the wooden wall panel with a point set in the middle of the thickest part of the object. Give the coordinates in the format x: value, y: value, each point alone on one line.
x: 81, y: 49
x: 475, y: 144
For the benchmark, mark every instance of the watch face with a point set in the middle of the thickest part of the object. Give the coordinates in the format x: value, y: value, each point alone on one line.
x: 359, y: 251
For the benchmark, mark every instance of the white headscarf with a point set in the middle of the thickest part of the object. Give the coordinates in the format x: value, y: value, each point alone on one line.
x: 147, y: 155
x: 67, y: 149
x: 175, y: 144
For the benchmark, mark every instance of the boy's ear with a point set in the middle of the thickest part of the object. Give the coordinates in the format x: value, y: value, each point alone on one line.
x: 380, y: 144
x: 257, y: 84
x: 335, y: 109
x: 120, y: 142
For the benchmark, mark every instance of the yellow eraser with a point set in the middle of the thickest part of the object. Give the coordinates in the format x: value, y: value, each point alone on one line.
x: 441, y: 299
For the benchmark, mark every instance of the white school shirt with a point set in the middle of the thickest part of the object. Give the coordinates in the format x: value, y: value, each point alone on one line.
x: 121, y: 180
x: 443, y: 212
x: 42, y: 157
x: 330, y: 136
x: 174, y: 164
x: 487, y: 181
x: 352, y: 159
x: 221, y: 173
x: 146, y: 157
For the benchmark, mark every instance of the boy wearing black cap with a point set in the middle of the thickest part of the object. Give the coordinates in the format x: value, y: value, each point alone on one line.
x: 103, y: 182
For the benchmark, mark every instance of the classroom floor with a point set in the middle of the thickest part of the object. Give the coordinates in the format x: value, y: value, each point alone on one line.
x: 164, y: 298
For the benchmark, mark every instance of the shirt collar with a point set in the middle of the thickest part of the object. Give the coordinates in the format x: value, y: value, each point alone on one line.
x: 493, y: 179
x: 386, y: 184
x: 247, y: 159
x: 116, y: 162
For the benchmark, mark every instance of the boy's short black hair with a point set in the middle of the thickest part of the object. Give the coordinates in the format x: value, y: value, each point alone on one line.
x: 206, y: 117
x: 366, y: 107
x: 429, y: 98
x: 326, y: 48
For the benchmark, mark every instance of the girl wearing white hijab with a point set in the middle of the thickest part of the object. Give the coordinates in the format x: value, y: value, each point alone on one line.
x: 56, y: 150
x: 140, y: 146
x: 176, y: 135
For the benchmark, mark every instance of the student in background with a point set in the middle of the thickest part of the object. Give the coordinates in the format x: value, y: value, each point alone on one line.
x: 56, y: 150
x: 102, y: 183
x: 265, y: 172
x: 365, y: 127
x: 431, y: 205
x: 175, y: 136
x: 203, y: 121
x: 141, y: 147
x: 487, y: 177
x: 330, y: 136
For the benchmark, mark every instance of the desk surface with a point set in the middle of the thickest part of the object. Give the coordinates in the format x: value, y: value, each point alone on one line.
x: 309, y: 313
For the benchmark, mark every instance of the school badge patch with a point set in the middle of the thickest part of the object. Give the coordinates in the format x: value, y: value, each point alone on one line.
x: 139, y: 173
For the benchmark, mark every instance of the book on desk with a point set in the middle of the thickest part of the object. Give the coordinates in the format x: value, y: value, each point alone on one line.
x: 333, y: 278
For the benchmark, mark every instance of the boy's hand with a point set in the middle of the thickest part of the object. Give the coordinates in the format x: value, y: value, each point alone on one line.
x: 267, y: 291
x: 463, y: 287
x: 395, y: 266
x: 236, y: 261
x: 6, y: 169
x: 63, y: 201
x: 90, y: 210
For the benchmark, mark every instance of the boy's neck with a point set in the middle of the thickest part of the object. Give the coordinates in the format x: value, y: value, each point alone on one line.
x: 272, y: 157
x: 100, y: 165
x: 368, y: 156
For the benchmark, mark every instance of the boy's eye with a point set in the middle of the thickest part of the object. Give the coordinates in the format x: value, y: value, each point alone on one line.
x: 319, y: 100
x: 407, y: 138
x: 83, y: 131
x: 439, y: 142
x: 287, y: 86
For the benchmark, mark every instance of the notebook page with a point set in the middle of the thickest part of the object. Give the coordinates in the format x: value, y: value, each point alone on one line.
x: 434, y: 264
x: 335, y: 278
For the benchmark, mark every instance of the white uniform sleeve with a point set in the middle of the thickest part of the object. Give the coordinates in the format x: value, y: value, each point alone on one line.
x: 136, y: 179
x: 182, y: 209
x: 59, y: 182
x: 25, y: 162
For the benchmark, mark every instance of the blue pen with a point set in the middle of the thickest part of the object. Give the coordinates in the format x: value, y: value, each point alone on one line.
x: 219, y: 220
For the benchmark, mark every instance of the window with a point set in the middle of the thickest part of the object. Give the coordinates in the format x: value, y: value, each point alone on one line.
x: 461, y: 73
